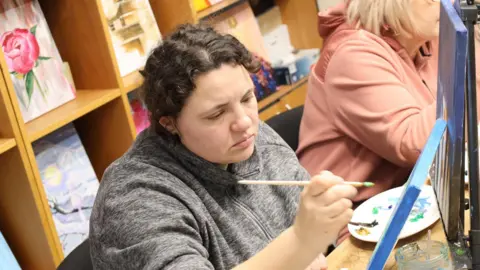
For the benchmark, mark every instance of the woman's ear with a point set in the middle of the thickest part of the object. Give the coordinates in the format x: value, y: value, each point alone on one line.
x: 169, y: 124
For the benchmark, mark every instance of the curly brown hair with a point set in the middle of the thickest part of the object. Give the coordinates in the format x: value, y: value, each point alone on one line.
x: 172, y: 67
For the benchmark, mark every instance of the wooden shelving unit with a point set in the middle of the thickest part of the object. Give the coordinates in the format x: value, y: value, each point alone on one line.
x: 285, y: 98
x: 23, y: 220
x: 132, y: 81
x: 100, y: 113
x: 6, y: 144
x: 282, y: 91
x: 85, y: 102
x: 299, y: 15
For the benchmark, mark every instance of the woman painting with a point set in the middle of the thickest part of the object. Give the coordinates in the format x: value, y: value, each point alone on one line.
x: 173, y: 201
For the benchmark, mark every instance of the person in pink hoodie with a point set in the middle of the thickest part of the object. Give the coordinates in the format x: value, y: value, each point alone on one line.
x: 371, y: 101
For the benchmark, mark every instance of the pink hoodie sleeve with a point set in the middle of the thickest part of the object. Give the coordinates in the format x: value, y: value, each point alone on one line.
x: 369, y: 103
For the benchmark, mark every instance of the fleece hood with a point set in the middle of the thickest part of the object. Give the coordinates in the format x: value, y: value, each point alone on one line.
x: 330, y: 19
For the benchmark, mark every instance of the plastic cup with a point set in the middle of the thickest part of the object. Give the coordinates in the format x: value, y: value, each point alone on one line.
x: 423, y: 255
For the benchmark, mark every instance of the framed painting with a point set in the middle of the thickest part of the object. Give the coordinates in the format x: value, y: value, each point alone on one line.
x: 70, y: 184
x: 32, y: 58
x: 448, y: 173
x: 133, y: 30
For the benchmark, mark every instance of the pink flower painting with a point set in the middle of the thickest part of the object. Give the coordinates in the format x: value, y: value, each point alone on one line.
x: 32, y: 59
x: 22, y: 53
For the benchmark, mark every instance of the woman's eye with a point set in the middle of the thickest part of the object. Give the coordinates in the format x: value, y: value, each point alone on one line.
x: 247, y: 99
x: 215, y: 116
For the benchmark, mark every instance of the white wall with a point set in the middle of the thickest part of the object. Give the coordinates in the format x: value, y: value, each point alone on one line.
x: 324, y: 4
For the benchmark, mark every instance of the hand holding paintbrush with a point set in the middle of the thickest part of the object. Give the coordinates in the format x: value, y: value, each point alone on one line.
x: 306, y: 183
x: 325, y: 208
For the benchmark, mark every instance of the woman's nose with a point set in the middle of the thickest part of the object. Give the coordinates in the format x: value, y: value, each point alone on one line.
x: 242, y: 122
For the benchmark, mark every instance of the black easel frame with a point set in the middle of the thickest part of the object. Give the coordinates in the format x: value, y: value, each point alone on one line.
x: 469, y: 13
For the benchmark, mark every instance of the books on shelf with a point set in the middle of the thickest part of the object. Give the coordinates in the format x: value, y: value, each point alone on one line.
x: 133, y: 30
x: 32, y: 58
x: 7, y: 259
x: 70, y: 184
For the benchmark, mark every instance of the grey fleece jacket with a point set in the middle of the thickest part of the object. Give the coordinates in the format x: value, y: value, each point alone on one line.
x: 162, y: 207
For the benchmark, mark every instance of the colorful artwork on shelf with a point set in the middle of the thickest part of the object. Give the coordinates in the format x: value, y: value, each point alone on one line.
x: 263, y: 80
x: 139, y: 112
x: 7, y: 259
x: 133, y: 30
x: 200, y: 5
x: 33, y: 61
x: 70, y: 184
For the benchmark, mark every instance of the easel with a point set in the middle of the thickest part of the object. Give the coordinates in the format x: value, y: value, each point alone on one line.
x: 469, y: 12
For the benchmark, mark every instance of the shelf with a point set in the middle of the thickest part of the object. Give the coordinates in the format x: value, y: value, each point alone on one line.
x: 217, y: 8
x: 6, y: 144
x: 85, y: 102
x: 281, y: 92
x: 132, y: 81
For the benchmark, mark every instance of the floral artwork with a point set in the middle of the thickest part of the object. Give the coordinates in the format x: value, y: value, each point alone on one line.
x: 33, y: 61
x: 22, y: 54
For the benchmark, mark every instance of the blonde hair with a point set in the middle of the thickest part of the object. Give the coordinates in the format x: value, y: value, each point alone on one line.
x: 377, y: 15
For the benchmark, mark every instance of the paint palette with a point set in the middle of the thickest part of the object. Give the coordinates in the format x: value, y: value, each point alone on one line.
x: 380, y: 207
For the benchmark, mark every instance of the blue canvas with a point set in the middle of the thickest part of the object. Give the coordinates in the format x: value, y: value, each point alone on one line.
x: 450, y: 107
x: 7, y: 260
x: 413, y: 187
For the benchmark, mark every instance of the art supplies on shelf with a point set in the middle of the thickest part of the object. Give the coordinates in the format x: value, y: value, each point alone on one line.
x: 133, y: 30
x: 7, y: 259
x: 139, y: 112
x: 33, y: 61
x: 264, y: 80
x: 70, y: 184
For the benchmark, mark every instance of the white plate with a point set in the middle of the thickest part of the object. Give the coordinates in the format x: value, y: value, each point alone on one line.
x: 380, y: 207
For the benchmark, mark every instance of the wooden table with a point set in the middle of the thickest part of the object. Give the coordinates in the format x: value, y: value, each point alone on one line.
x: 355, y: 254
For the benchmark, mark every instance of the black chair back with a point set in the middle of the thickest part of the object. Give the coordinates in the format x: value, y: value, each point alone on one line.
x: 78, y: 259
x: 287, y: 125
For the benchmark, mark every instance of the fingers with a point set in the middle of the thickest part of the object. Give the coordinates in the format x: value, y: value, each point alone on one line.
x: 322, y: 182
x: 338, y: 207
x: 344, y: 217
x: 336, y: 193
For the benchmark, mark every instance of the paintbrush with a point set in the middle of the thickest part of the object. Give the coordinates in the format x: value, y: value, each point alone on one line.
x: 297, y: 183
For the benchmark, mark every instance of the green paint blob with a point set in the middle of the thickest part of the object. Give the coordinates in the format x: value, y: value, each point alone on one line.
x: 375, y: 210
